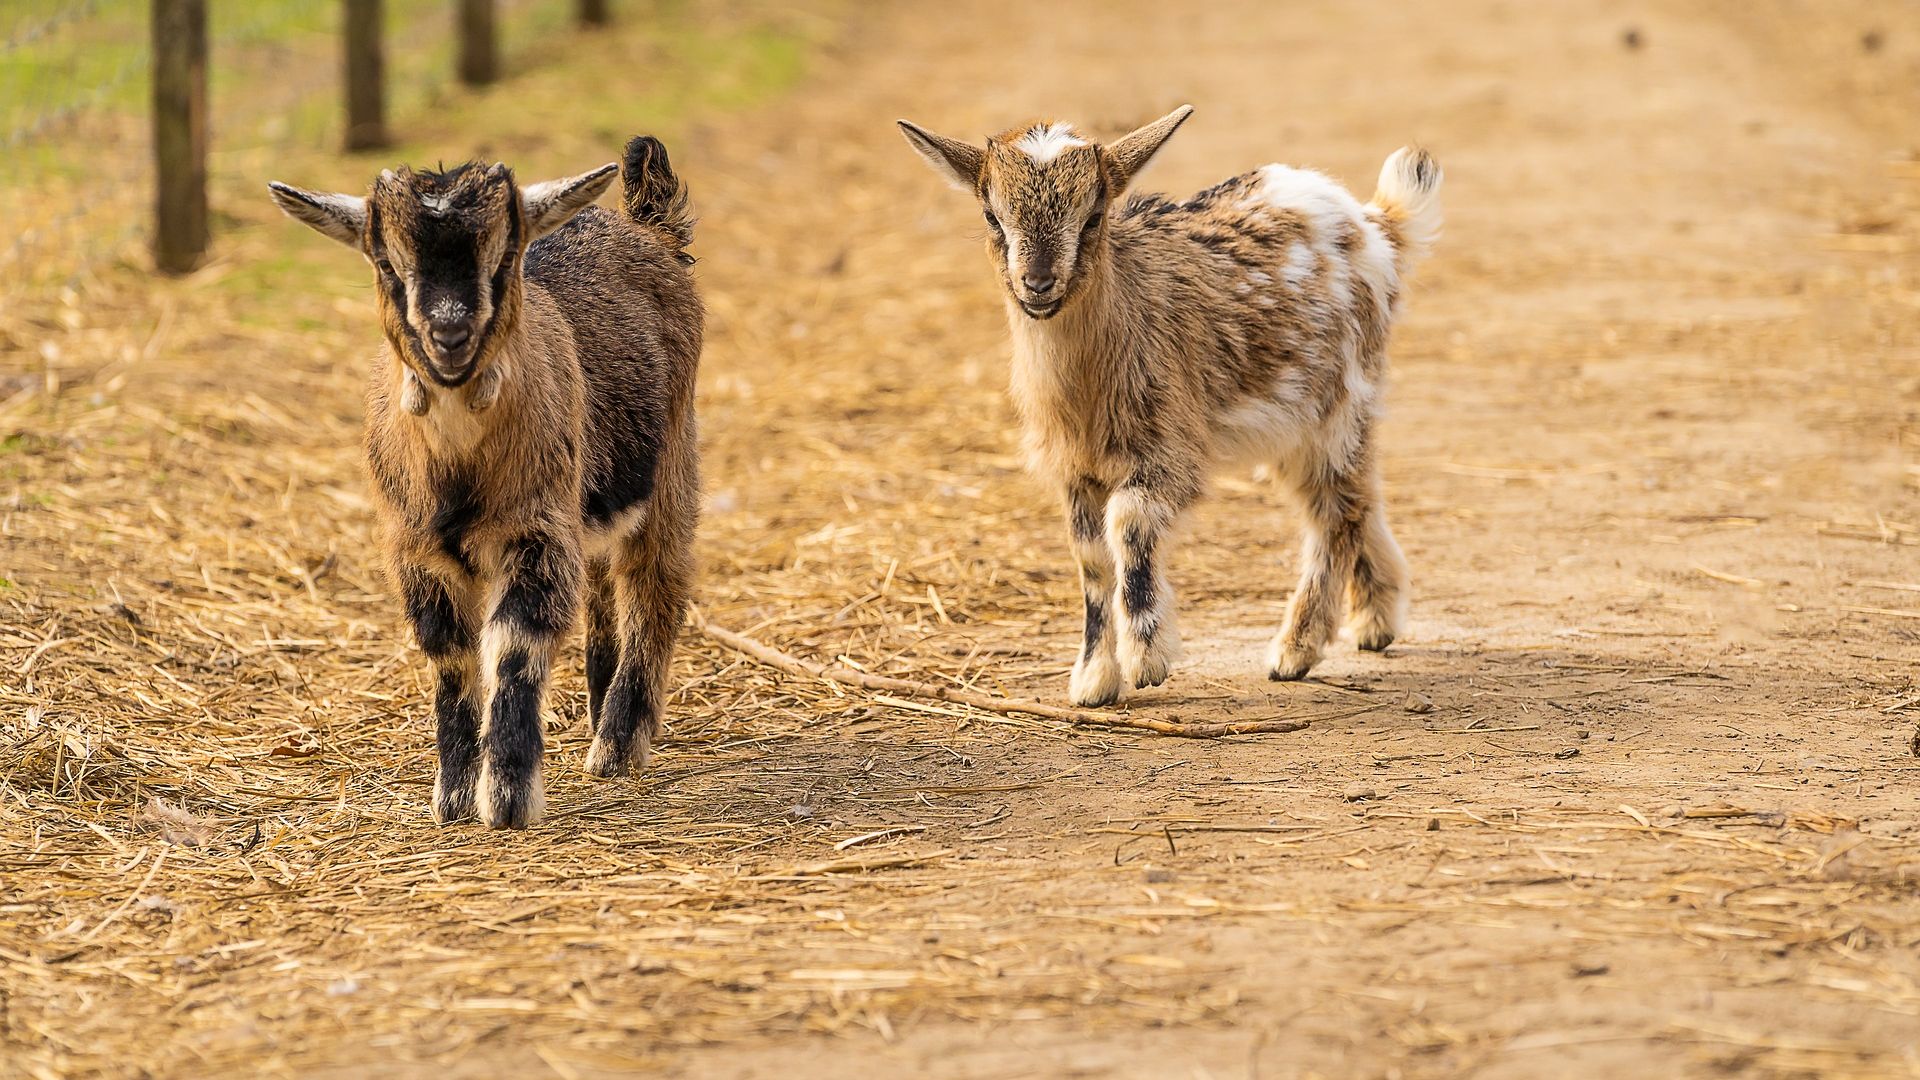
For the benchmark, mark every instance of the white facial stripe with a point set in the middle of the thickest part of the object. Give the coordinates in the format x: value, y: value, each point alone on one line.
x: 1043, y: 144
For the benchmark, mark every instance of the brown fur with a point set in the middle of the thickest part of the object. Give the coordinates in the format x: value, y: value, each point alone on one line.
x: 548, y: 455
x: 1155, y: 340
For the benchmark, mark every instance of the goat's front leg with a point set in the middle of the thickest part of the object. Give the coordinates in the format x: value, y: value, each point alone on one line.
x: 1096, y: 671
x: 534, y: 604
x: 1140, y: 520
x: 442, y: 615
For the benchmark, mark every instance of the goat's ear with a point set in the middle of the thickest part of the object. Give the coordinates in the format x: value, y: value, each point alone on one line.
x: 343, y: 217
x: 550, y: 203
x: 951, y: 158
x: 1130, y: 155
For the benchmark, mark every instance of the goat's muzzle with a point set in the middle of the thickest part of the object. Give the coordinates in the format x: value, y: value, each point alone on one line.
x: 451, y: 350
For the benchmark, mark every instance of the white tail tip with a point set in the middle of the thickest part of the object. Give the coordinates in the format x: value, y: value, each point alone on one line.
x: 1409, y: 194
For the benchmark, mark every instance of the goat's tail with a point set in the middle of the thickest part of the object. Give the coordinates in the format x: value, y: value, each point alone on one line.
x: 1409, y: 198
x: 653, y: 195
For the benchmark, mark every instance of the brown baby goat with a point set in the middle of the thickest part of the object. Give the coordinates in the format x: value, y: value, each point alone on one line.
x: 530, y: 433
x: 1154, y: 340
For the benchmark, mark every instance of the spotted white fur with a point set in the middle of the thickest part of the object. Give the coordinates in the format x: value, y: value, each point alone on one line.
x: 1248, y: 322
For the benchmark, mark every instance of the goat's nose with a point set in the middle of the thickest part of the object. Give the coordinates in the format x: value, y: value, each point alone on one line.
x: 1038, y: 283
x: 451, y: 336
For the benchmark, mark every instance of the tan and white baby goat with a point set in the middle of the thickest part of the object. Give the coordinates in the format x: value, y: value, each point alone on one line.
x: 1154, y: 340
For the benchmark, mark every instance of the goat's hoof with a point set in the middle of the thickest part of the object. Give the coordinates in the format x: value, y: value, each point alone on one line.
x: 1148, y: 663
x: 452, y: 806
x: 453, y: 794
x: 606, y: 761
x: 505, y: 804
x: 1375, y: 629
x: 1286, y: 664
x: 1373, y: 639
x: 1096, y: 682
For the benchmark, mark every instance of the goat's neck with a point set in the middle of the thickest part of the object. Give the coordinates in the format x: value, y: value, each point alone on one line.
x: 452, y: 421
x: 1076, y: 349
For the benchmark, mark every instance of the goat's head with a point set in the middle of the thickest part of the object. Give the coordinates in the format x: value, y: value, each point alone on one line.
x: 447, y: 246
x: 1045, y: 190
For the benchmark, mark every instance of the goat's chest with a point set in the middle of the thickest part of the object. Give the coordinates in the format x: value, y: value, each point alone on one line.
x: 1074, y: 425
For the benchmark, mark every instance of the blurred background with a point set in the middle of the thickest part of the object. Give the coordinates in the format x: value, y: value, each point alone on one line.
x: 1635, y: 796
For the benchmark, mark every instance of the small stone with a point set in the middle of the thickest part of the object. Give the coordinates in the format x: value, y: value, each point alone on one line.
x: 1418, y: 703
x: 1585, y: 968
x: 1158, y: 876
x: 800, y: 813
x: 1630, y: 38
x: 1359, y: 793
x: 1567, y: 752
x: 1583, y: 733
x: 1872, y: 40
x: 1433, y: 824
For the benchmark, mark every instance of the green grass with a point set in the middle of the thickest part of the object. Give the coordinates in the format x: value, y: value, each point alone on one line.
x: 275, y: 95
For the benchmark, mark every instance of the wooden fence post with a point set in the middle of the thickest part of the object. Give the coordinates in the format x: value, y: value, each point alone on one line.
x: 365, y: 75
x: 594, y: 13
x: 179, y: 134
x: 479, y: 58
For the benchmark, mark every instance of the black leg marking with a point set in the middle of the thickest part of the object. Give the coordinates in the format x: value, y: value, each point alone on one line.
x: 1086, y: 510
x: 459, y: 509
x: 457, y: 736
x: 514, y: 742
x: 603, y: 644
x: 1096, y: 627
x: 1137, y: 589
x: 631, y: 710
x: 603, y: 655
x: 443, y: 629
x: 542, y: 588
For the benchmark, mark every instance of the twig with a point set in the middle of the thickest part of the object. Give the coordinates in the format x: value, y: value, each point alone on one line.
x: 846, y: 676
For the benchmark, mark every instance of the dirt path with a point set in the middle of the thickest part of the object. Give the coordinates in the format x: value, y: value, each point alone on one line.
x: 1634, y: 798
x: 1652, y: 436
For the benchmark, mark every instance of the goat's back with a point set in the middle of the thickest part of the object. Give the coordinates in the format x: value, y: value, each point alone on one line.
x: 636, y: 322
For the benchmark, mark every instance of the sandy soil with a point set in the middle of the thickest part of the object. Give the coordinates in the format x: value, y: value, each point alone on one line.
x: 1635, y: 796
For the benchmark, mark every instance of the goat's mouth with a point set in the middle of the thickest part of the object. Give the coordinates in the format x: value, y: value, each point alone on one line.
x: 452, y: 371
x: 1042, y: 310
x: 450, y: 367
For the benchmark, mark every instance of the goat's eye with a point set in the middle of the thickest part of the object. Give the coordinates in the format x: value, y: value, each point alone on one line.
x: 1093, y: 222
x: 992, y: 222
x: 381, y: 264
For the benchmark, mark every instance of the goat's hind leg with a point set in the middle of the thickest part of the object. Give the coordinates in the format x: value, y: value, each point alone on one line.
x: 1378, y: 595
x: 652, y: 582
x: 1337, y: 505
x: 603, y: 640
x: 1096, y: 671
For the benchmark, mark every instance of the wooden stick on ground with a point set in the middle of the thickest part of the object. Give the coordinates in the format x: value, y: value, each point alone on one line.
x: 846, y: 676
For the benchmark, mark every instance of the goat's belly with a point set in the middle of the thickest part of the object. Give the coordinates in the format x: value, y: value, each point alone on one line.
x: 1263, y: 432
x: 598, y: 543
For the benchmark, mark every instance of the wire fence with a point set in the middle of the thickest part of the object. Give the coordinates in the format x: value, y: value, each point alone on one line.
x: 77, y: 173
